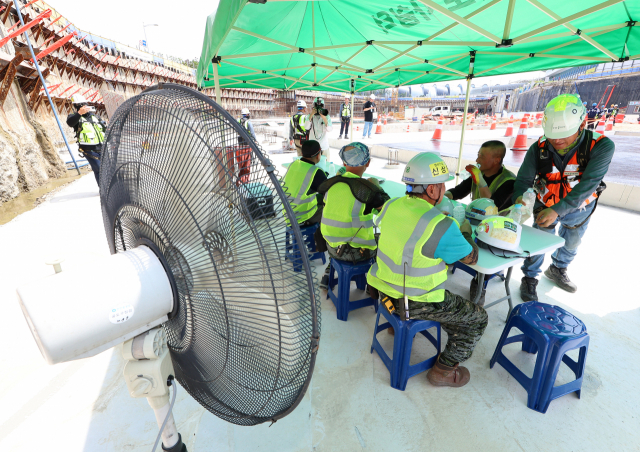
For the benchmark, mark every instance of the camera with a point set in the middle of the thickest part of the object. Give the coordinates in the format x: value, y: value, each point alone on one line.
x: 318, y: 105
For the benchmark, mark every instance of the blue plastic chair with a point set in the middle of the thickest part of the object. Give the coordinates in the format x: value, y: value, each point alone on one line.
x: 404, y: 331
x: 551, y: 332
x: 292, y: 250
x: 348, y: 272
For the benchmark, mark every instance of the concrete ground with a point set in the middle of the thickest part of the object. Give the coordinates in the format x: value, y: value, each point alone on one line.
x: 84, y: 405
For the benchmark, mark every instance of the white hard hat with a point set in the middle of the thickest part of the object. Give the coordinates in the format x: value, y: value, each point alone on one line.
x: 480, y: 208
x: 373, y: 96
x: 78, y: 99
x: 302, y: 104
x: 445, y: 206
x: 563, y: 116
x: 245, y: 111
x: 426, y: 168
x: 347, y: 97
x: 500, y: 232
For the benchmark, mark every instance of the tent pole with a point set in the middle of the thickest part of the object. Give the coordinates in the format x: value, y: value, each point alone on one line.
x: 472, y: 59
x: 216, y: 80
x: 44, y: 85
x: 353, y: 113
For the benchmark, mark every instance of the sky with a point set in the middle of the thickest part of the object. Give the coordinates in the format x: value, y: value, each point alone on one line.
x: 180, y: 29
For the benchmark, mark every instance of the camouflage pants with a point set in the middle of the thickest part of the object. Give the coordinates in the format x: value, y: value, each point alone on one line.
x: 463, y: 321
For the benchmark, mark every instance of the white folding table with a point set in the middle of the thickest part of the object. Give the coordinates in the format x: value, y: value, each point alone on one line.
x: 532, y: 240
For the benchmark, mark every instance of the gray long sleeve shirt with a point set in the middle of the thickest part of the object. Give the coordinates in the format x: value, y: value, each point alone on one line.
x: 596, y: 169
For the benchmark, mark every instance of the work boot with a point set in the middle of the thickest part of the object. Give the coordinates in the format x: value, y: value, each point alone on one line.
x: 324, y: 282
x: 340, y: 137
x: 441, y: 375
x: 473, y: 290
x: 559, y: 276
x: 528, y: 289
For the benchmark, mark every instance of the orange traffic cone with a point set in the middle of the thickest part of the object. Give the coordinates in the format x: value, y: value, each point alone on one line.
x: 473, y: 119
x: 486, y: 120
x: 608, y: 126
x: 509, y: 127
x: 408, y: 128
x: 357, y: 128
x: 378, y: 126
x: 521, y: 139
x: 385, y: 120
x: 437, y: 134
x: 493, y: 124
x: 600, y: 127
x: 422, y: 120
x: 539, y: 119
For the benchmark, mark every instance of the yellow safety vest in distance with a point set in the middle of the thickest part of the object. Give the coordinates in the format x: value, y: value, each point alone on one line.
x: 343, y: 219
x: 91, y: 131
x: 346, y: 111
x: 504, y: 176
x: 297, y: 181
x: 406, y: 225
x: 298, y: 125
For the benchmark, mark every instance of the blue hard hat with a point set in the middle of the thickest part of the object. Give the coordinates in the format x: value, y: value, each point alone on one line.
x: 584, y: 103
x: 594, y: 104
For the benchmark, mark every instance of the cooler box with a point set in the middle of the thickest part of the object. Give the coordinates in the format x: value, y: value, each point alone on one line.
x: 259, y: 200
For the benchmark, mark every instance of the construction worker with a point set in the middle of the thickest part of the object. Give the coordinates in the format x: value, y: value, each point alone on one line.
x: 319, y: 125
x: 243, y: 151
x: 303, y: 178
x: 347, y: 220
x: 297, y: 127
x: 613, y: 111
x: 345, y: 118
x: 369, y: 108
x: 593, y: 114
x: 566, y: 167
x: 90, y: 130
x: 488, y: 180
x: 416, y: 242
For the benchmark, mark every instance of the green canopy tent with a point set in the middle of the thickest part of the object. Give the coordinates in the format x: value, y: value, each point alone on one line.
x: 350, y: 46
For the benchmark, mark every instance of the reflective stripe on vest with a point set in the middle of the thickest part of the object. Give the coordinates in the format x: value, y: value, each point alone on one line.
x: 409, y: 226
x: 504, y: 176
x: 343, y: 220
x: 558, y: 185
x: 297, y: 181
x: 346, y: 111
x: 91, y: 132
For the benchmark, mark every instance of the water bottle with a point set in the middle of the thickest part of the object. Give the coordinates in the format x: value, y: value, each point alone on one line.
x: 529, y: 199
x: 341, y: 171
x: 459, y: 214
x: 516, y: 213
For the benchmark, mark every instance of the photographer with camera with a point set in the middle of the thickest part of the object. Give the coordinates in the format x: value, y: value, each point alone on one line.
x: 319, y: 125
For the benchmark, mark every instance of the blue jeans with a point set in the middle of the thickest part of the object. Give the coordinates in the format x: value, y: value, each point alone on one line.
x: 367, y: 129
x: 563, y: 256
x: 94, y: 161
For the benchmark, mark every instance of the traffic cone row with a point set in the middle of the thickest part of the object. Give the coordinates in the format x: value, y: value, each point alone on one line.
x: 521, y: 139
x: 509, y: 127
x: 437, y: 134
x: 600, y: 127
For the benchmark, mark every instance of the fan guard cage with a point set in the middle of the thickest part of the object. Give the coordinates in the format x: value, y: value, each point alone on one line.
x: 244, y: 333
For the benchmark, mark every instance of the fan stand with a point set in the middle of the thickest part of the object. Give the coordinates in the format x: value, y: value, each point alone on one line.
x: 149, y: 373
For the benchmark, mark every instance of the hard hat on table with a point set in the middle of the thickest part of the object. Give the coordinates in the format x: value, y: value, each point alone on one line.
x: 480, y: 208
x: 500, y: 232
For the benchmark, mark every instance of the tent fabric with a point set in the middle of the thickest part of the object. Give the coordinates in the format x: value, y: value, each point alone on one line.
x: 323, y: 44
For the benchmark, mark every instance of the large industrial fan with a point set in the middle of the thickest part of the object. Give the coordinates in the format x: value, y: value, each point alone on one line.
x: 192, y: 212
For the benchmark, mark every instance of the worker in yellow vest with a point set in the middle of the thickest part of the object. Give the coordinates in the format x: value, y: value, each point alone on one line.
x: 490, y: 179
x: 350, y: 203
x: 90, y: 131
x: 302, y: 180
x: 416, y: 242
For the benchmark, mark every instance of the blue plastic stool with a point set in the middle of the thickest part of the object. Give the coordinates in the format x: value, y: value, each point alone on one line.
x: 347, y: 272
x: 472, y: 272
x: 404, y: 331
x: 292, y: 250
x: 551, y: 332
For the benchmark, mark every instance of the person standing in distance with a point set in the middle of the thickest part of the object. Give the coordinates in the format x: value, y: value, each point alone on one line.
x: 243, y: 152
x: 369, y: 108
x: 297, y: 127
x: 566, y: 167
x: 90, y: 130
x: 593, y: 114
x: 319, y: 125
x: 345, y: 118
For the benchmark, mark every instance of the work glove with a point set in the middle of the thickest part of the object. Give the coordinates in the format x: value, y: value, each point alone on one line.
x: 476, y: 175
x: 465, y: 227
